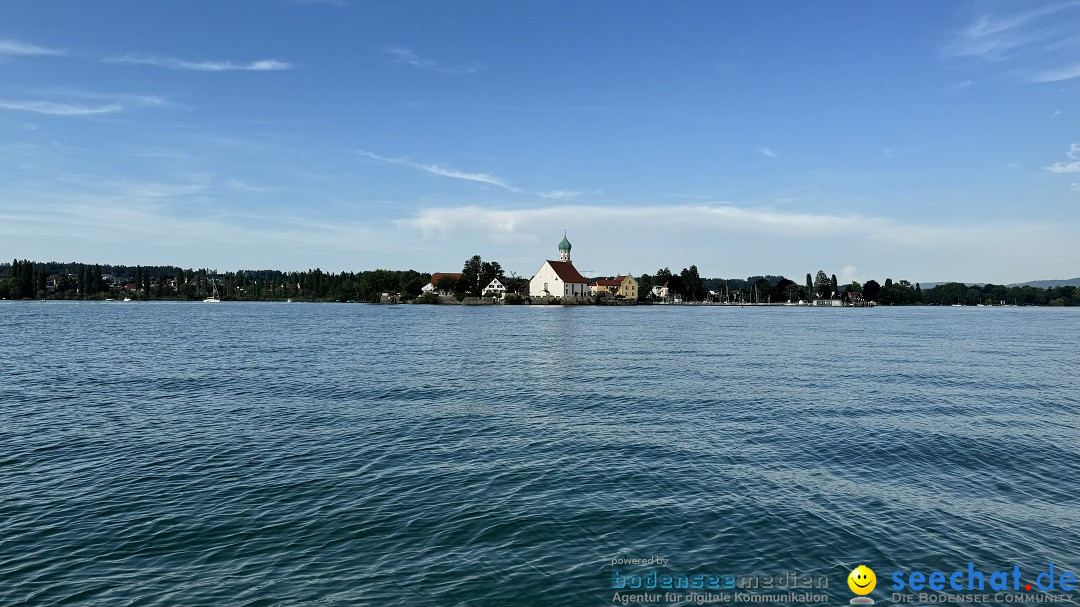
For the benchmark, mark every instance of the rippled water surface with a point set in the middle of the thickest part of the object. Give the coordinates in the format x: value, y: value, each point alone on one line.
x: 309, y: 454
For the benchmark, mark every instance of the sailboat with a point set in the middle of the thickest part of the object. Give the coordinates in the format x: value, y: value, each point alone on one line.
x: 213, y: 298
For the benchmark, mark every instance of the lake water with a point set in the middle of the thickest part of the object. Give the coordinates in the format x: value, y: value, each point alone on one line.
x: 319, y: 454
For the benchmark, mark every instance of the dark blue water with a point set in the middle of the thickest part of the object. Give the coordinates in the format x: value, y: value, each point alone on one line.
x: 299, y: 454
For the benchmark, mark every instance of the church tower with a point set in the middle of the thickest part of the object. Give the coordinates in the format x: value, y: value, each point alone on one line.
x: 564, y: 249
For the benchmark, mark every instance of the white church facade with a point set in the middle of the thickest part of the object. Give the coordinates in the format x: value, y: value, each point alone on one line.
x: 559, y: 278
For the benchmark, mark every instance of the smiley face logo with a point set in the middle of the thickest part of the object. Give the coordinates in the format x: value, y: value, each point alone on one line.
x: 861, y: 580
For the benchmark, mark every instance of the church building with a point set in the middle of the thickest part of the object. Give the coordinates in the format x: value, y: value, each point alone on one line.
x: 559, y: 278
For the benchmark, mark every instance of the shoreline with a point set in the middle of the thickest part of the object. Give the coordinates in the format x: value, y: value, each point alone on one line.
x: 545, y: 305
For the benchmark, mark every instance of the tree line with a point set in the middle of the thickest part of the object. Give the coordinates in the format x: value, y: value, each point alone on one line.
x: 689, y: 286
x: 902, y: 293
x: 53, y: 280
x: 24, y: 279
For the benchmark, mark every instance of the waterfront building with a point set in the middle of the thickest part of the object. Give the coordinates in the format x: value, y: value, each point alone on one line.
x: 495, y: 288
x: 624, y: 287
x: 559, y: 278
x: 628, y: 287
x: 433, y: 285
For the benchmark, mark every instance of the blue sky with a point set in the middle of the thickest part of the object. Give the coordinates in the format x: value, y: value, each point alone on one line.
x: 917, y: 140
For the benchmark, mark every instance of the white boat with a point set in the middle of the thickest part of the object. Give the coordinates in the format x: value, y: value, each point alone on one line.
x: 127, y: 299
x: 213, y: 298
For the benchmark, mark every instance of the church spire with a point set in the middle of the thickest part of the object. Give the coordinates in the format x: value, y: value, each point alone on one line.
x: 564, y: 248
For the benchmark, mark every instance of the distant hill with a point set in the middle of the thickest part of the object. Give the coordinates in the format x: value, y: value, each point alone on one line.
x: 1042, y: 284
x: 931, y: 285
x: 1046, y: 284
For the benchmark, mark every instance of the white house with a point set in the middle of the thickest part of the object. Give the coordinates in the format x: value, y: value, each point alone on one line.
x: 559, y: 278
x: 496, y: 288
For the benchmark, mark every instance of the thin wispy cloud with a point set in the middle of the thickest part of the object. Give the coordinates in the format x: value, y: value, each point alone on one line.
x: 771, y: 153
x: 1057, y: 75
x: 72, y: 102
x: 124, y: 99
x: 53, y: 108
x: 1064, y: 167
x: 441, y: 171
x: 960, y: 86
x: 1068, y: 167
x: 589, y: 109
x: 172, y: 63
x: 561, y: 194
x: 1075, y: 187
x: 888, y: 152
x: 1037, y: 44
x: 113, y: 220
x: 405, y: 56
x: 237, y: 185
x: 995, y: 37
x: 1055, y: 114
x: 14, y: 48
x: 402, y: 55
x: 441, y: 221
x: 481, y: 178
x: 139, y: 190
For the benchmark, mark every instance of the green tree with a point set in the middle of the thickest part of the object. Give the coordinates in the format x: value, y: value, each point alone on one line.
x: 644, y: 287
x: 871, y: 290
x: 692, y: 286
x: 787, y: 289
x: 762, y: 291
x: 663, y: 277
x: 675, y: 284
x: 822, y: 284
x: 516, y: 284
x: 477, y: 274
x: 470, y: 275
x: 40, y: 283
x: 411, y: 282
x: 97, y: 283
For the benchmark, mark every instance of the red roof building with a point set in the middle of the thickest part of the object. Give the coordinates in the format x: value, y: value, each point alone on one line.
x: 559, y: 278
x: 432, y: 286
